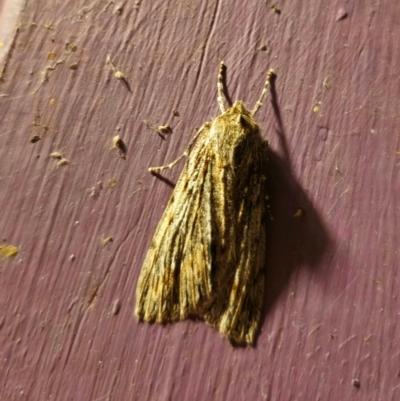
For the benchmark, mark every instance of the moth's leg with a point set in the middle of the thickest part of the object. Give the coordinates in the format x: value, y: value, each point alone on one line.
x: 220, y: 85
x: 170, y: 165
x: 270, y: 74
x: 185, y: 153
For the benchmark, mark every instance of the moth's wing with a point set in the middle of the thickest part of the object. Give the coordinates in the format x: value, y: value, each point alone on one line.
x: 175, y: 278
x: 237, y: 308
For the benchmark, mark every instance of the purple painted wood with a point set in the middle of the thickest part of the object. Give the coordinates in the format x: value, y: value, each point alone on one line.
x: 66, y: 300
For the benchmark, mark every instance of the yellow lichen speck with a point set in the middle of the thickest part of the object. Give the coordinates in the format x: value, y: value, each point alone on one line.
x: 8, y: 251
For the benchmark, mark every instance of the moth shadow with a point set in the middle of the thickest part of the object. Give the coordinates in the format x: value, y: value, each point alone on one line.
x: 164, y: 179
x: 295, y: 237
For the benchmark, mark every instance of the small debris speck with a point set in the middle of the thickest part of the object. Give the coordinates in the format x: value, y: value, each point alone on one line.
x: 111, y: 182
x: 106, y: 240
x: 341, y: 14
x: 119, y: 144
x: 118, y: 74
x: 56, y: 155
x: 35, y: 138
x: 8, y: 251
x: 62, y: 162
x: 275, y: 8
x: 299, y: 213
x: 164, y: 129
x: 116, y: 307
x: 72, y: 47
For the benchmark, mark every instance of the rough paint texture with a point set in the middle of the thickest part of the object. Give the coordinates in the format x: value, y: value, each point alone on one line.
x: 330, y: 316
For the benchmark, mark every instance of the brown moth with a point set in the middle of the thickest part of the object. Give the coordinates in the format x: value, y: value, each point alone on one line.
x: 208, y: 253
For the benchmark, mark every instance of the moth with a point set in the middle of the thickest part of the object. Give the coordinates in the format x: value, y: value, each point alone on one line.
x: 207, y: 255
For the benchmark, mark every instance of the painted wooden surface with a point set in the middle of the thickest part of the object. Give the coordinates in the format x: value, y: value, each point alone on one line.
x: 331, y: 316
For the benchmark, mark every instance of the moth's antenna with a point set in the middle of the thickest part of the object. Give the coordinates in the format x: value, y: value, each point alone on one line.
x: 220, y: 85
x: 270, y: 75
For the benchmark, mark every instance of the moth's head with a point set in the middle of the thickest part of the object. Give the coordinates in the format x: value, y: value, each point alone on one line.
x: 240, y: 114
x: 239, y: 108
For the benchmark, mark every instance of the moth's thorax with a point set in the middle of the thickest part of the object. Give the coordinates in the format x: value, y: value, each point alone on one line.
x: 232, y: 134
